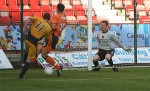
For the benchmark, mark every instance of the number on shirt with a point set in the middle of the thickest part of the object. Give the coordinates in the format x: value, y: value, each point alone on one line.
x: 40, y: 26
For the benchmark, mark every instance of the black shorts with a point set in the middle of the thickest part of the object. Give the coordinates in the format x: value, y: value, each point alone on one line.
x: 54, y: 41
x: 102, y: 53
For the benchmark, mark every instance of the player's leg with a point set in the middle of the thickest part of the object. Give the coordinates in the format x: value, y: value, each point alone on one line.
x: 32, y: 50
x: 25, y: 68
x: 100, y: 55
x: 52, y: 62
x: 25, y: 54
x: 108, y: 57
x: 25, y: 57
x: 55, y: 64
x: 54, y: 41
x: 53, y: 47
x: 49, y: 59
x: 96, y: 58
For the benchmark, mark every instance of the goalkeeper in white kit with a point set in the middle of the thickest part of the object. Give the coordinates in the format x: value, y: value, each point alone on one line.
x: 106, y: 43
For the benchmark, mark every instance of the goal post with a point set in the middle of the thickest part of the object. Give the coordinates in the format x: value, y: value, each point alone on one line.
x: 89, y: 35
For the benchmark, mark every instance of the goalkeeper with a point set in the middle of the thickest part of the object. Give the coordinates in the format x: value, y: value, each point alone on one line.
x: 107, y: 42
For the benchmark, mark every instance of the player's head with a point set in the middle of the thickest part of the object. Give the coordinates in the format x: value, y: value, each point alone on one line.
x: 60, y: 7
x: 46, y: 16
x: 104, y: 25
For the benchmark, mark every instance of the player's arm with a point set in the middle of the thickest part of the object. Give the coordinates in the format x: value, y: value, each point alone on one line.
x: 30, y: 19
x: 46, y: 39
x: 116, y: 40
x: 26, y: 23
x: 39, y: 48
x: 64, y: 24
x: 42, y: 43
x: 53, y: 22
x: 97, y: 38
x: 53, y: 26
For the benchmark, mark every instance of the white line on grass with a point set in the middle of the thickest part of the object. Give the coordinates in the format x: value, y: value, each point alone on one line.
x: 51, y: 79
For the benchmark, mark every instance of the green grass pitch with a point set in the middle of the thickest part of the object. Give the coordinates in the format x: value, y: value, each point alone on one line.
x: 128, y: 79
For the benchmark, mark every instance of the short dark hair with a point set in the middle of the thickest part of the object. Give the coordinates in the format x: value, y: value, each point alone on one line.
x: 60, y: 7
x: 46, y: 16
x: 106, y: 22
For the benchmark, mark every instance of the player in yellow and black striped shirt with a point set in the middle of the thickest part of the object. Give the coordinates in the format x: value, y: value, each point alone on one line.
x: 39, y: 31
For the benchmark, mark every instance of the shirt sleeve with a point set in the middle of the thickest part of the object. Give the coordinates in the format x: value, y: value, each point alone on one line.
x: 33, y: 19
x: 116, y: 40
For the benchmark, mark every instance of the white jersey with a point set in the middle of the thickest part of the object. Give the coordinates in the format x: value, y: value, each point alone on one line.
x: 108, y: 40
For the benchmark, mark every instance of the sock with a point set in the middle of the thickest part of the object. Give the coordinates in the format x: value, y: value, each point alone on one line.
x: 25, y: 57
x: 96, y: 64
x: 52, y: 62
x: 24, y: 70
x: 111, y: 63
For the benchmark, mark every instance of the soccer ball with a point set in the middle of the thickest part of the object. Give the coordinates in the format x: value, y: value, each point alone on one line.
x: 48, y: 70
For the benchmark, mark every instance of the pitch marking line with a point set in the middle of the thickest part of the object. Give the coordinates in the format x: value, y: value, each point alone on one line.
x: 121, y: 78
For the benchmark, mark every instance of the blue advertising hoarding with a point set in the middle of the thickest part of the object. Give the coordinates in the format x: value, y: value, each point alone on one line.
x: 75, y: 36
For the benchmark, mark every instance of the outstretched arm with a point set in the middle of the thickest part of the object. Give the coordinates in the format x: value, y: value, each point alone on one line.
x: 116, y: 40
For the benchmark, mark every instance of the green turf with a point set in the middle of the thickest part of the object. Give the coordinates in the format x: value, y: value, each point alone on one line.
x: 128, y: 79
